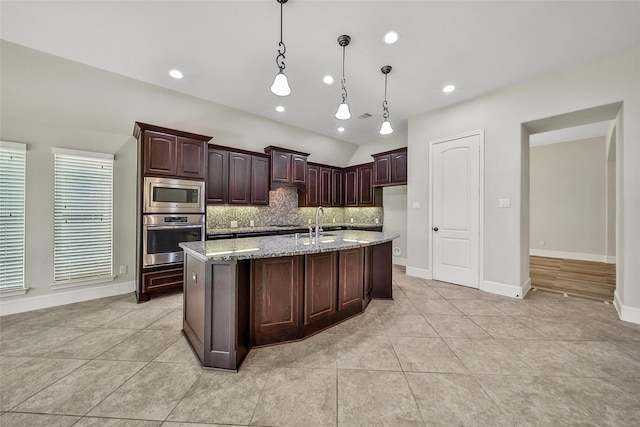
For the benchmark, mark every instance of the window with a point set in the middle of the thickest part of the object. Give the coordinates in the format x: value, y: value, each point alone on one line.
x: 12, y: 216
x: 83, y: 217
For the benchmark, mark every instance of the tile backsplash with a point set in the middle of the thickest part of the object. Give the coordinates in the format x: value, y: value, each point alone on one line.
x: 283, y: 210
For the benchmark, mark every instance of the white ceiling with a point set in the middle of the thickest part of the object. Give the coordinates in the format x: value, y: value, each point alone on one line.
x: 227, y: 49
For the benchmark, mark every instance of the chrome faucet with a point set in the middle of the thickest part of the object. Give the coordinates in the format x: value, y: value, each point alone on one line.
x: 318, y: 226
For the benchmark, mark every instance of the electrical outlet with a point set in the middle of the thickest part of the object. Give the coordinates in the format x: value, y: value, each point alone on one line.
x: 377, y: 221
x: 234, y: 224
x: 334, y: 219
x: 542, y: 243
x: 251, y: 223
x: 309, y: 220
x: 416, y: 205
x: 123, y: 269
x: 351, y: 220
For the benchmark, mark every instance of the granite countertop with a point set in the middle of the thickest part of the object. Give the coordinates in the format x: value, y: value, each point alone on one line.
x: 240, y: 230
x: 283, y: 245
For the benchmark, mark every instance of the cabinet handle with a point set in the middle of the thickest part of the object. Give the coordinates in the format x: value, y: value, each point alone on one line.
x: 194, y: 277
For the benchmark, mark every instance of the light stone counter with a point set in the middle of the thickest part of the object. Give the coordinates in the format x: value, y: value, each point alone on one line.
x: 283, y: 245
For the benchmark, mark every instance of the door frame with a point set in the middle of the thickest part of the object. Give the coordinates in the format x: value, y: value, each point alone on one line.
x: 480, y: 134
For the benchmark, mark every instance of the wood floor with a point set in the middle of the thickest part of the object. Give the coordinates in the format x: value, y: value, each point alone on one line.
x: 586, y: 279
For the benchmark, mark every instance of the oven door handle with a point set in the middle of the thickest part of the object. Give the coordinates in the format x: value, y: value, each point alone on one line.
x: 173, y: 227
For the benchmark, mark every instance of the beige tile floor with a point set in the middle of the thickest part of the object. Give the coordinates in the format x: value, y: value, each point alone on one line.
x: 438, y: 354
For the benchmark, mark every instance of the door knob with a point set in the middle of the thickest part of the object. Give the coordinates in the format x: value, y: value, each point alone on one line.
x: 435, y: 228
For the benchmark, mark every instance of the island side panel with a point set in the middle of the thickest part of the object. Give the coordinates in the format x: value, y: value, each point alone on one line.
x: 381, y: 271
x: 276, y: 298
x: 193, y: 319
x: 350, y: 283
x: 221, y: 309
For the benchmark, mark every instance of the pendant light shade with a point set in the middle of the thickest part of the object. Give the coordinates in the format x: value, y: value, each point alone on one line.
x: 280, y: 84
x: 343, y: 112
x: 385, y: 127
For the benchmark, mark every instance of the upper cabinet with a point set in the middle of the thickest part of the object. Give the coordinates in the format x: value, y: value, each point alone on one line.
x: 237, y: 178
x: 368, y: 195
x: 390, y: 168
x: 168, y: 152
x: 321, y: 188
x: 288, y: 167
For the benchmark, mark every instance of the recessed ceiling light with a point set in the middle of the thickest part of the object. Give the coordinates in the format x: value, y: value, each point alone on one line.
x: 340, y: 129
x: 448, y: 88
x: 279, y: 108
x: 328, y: 80
x: 391, y: 37
x: 176, y: 74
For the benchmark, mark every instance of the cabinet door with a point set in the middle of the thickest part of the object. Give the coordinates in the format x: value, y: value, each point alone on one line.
x: 337, y: 188
x: 298, y: 169
x: 350, y: 284
x: 351, y: 187
x: 320, y: 284
x: 239, y: 178
x: 382, y: 170
x: 313, y: 186
x: 399, y: 167
x: 259, y: 180
x: 160, y: 152
x: 191, y: 158
x: 365, y: 186
x: 218, y: 176
x: 280, y: 167
x: 325, y: 186
x: 276, y: 299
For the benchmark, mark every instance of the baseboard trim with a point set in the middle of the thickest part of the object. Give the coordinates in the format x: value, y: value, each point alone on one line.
x: 626, y: 313
x: 571, y: 255
x: 399, y: 261
x: 56, y: 298
x: 505, y: 289
x: 419, y: 272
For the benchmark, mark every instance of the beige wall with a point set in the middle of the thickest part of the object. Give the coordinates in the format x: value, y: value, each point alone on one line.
x: 609, y: 80
x: 395, y: 218
x: 568, y: 198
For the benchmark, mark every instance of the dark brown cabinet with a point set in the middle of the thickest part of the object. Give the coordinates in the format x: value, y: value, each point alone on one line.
x: 390, y: 168
x: 217, y: 176
x: 365, y: 186
x: 288, y: 168
x: 351, y: 186
x: 259, y: 180
x: 176, y: 156
x: 337, y: 187
x: 276, y: 298
x: 350, y: 288
x: 325, y: 186
x: 320, y: 284
x: 311, y: 195
x: 159, y: 280
x: 237, y: 178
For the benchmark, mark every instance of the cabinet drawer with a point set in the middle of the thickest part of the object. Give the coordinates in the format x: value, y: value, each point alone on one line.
x: 162, y: 279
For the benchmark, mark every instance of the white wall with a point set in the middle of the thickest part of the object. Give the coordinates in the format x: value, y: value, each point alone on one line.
x: 568, y: 199
x: 394, y: 201
x: 385, y: 143
x: 501, y: 114
x: 49, y: 101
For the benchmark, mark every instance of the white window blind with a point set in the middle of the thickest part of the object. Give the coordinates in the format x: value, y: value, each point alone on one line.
x: 12, y: 215
x: 83, y: 216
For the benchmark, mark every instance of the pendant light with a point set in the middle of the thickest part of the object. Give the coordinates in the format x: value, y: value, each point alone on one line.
x: 385, y: 127
x: 280, y: 84
x: 343, y: 112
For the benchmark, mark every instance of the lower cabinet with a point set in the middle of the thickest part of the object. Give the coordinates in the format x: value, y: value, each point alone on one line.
x: 160, y: 280
x: 350, y: 285
x: 277, y: 299
x: 320, y: 285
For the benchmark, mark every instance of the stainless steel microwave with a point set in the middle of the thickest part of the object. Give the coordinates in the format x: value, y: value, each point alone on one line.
x: 171, y: 195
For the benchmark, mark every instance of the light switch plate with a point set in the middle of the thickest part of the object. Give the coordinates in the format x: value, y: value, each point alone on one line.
x: 416, y: 205
x: 504, y: 203
x: 234, y: 224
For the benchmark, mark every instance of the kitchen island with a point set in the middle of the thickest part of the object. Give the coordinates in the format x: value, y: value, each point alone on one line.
x: 256, y: 291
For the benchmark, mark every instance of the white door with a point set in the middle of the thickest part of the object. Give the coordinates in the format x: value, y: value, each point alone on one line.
x: 456, y: 213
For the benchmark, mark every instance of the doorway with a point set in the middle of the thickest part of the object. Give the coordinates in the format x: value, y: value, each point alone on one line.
x: 571, y: 189
x: 455, y: 200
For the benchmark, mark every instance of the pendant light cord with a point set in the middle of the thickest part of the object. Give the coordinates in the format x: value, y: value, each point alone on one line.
x: 281, y: 52
x: 344, y: 81
x: 385, y: 108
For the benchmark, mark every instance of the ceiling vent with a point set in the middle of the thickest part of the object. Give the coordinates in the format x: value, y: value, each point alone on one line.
x: 364, y: 116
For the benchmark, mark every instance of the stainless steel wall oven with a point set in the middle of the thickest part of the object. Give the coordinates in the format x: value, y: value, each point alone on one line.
x: 161, y: 234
